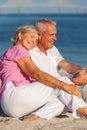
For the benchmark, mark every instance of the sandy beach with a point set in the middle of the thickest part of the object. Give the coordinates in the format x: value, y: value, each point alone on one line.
x: 64, y: 122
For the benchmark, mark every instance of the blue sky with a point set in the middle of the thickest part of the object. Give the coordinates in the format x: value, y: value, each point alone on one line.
x: 43, y: 6
x: 78, y: 2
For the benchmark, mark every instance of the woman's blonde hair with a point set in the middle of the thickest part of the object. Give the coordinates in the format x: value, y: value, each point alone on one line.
x: 23, y: 29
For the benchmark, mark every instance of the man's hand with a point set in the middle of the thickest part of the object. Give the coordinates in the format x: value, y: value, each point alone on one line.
x: 81, y: 77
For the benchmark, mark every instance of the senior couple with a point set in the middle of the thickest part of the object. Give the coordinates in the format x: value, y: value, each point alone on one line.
x: 31, y: 84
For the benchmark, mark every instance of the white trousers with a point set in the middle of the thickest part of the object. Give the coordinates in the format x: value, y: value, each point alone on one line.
x: 39, y: 99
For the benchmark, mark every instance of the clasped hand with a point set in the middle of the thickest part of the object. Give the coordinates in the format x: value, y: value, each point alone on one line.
x: 81, y: 77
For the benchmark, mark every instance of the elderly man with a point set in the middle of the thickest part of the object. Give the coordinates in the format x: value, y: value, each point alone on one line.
x: 50, y: 58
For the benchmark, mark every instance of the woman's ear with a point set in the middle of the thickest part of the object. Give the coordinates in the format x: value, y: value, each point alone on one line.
x: 19, y: 35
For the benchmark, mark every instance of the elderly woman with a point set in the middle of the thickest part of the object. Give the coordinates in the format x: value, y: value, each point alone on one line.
x: 25, y: 89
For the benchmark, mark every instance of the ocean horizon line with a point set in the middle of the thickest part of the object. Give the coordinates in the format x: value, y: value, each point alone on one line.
x: 55, y: 14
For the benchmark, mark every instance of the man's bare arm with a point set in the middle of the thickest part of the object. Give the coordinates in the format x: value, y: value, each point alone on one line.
x: 69, y: 67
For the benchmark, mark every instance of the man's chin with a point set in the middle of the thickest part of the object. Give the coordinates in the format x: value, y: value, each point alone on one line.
x: 51, y: 46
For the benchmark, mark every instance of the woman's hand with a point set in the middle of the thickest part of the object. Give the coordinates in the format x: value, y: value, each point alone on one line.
x: 73, y: 90
x: 31, y: 70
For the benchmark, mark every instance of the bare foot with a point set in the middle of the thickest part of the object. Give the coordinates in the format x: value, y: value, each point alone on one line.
x: 30, y: 118
x: 83, y: 111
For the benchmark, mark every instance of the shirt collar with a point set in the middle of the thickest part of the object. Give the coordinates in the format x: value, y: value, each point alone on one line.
x: 38, y: 50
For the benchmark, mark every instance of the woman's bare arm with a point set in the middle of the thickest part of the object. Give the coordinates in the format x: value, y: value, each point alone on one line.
x: 28, y: 67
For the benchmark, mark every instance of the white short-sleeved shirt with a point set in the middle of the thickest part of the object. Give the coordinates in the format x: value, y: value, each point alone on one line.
x: 48, y: 62
x: 55, y: 54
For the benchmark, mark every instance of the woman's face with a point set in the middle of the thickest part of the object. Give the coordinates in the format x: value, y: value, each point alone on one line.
x: 29, y: 40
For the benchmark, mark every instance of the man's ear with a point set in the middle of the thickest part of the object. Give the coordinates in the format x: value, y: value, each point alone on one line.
x: 39, y: 37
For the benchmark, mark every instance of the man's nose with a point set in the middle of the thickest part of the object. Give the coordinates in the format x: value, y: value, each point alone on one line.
x: 55, y: 38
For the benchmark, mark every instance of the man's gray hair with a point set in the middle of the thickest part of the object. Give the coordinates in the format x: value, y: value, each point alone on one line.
x: 40, y: 24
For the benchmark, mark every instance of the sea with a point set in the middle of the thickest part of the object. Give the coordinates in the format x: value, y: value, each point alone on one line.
x: 71, y: 33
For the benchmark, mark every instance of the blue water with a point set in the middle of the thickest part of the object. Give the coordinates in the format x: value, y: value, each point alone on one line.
x: 71, y: 36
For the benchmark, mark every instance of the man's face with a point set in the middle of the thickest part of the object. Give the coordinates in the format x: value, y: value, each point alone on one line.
x: 49, y: 36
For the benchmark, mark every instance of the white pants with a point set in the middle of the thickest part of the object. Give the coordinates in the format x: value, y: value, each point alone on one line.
x: 39, y: 99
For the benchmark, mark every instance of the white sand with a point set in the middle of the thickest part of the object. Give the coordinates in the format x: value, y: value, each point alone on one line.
x: 58, y: 123
x: 65, y: 122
